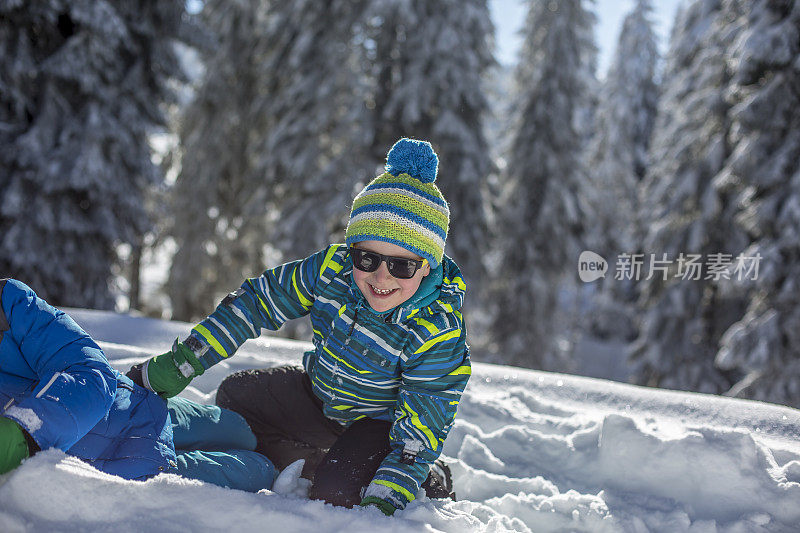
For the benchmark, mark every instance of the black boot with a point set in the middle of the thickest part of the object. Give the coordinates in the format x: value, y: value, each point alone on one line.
x: 440, y: 482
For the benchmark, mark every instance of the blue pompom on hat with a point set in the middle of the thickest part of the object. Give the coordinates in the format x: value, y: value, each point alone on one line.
x: 415, y: 158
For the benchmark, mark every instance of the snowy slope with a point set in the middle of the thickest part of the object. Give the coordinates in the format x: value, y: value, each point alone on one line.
x: 530, y: 451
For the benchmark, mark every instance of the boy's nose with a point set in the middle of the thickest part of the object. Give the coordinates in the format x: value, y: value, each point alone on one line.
x: 383, y: 272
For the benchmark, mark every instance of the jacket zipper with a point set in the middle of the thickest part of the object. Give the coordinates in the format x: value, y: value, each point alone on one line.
x: 355, y: 317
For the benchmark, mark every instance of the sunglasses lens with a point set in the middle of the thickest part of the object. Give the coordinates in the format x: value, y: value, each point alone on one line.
x: 366, y: 261
x: 401, y: 268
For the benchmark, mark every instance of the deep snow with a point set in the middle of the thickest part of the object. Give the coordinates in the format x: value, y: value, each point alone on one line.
x: 530, y: 451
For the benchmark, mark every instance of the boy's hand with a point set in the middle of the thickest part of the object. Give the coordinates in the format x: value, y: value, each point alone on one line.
x: 13, y: 446
x: 169, y: 373
x: 386, y: 508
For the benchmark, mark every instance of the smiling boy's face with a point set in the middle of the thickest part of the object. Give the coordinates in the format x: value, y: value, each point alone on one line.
x: 382, y: 290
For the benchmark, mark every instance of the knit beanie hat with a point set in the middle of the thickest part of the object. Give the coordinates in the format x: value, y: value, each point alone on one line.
x: 403, y: 206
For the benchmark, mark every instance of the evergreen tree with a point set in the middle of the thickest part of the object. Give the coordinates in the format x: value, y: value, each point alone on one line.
x: 684, y: 316
x: 540, y: 222
x: 219, y: 200
x: 82, y: 84
x: 315, y: 151
x: 623, y: 126
x: 618, y: 161
x: 763, y: 171
x: 428, y: 60
x: 273, y: 145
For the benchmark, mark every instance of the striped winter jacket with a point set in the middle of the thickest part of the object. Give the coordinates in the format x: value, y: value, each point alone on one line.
x: 408, y: 365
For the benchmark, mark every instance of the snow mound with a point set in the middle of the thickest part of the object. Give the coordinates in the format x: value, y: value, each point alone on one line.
x: 290, y: 483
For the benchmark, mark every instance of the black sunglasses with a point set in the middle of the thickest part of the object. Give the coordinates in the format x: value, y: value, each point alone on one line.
x: 399, y: 267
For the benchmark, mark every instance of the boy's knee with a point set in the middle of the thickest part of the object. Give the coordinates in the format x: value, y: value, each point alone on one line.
x: 229, y: 391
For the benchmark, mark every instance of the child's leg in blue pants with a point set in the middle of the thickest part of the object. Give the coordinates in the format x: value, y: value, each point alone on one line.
x: 216, y: 445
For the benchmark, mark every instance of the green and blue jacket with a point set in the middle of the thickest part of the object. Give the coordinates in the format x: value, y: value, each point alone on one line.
x: 408, y: 365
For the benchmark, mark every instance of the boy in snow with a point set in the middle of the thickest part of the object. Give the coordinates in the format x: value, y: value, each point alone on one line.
x: 57, y: 390
x: 375, y: 399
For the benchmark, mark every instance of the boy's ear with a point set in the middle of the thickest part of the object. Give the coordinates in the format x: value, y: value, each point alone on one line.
x: 426, y: 269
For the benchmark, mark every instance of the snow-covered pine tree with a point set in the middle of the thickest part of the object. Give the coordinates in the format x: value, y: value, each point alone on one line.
x: 623, y: 125
x: 82, y: 83
x: 683, y: 319
x: 219, y: 201
x: 764, y: 171
x: 617, y: 159
x: 315, y: 151
x: 274, y: 144
x: 428, y: 60
x: 541, y: 217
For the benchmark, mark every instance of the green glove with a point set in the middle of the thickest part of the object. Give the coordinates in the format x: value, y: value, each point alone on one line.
x: 13, y: 446
x: 386, y: 508
x: 169, y: 373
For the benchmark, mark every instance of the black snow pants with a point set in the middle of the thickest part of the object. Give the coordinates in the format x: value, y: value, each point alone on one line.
x: 288, y: 422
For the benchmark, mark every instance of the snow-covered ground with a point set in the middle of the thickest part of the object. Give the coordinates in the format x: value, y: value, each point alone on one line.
x: 530, y: 451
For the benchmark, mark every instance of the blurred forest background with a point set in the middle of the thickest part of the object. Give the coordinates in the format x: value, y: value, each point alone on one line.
x: 153, y: 155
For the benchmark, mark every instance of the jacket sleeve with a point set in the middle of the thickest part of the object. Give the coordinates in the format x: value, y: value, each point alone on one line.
x: 433, y: 379
x: 76, y: 386
x: 266, y: 302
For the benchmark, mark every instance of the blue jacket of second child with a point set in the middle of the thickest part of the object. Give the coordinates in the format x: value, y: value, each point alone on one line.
x: 56, y: 383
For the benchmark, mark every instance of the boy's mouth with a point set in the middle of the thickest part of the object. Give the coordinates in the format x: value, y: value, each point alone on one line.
x: 381, y: 293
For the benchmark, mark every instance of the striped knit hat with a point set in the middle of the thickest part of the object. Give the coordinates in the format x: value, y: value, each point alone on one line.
x: 403, y: 206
